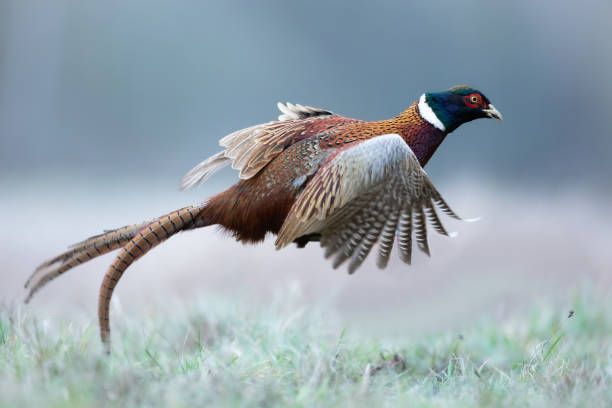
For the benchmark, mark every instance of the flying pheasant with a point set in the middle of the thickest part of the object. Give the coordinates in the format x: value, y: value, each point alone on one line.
x: 311, y: 175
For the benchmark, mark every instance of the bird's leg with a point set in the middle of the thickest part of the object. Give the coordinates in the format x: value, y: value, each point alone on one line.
x: 305, y: 239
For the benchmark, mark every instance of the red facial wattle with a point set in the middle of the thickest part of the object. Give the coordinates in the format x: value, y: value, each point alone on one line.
x: 474, y: 101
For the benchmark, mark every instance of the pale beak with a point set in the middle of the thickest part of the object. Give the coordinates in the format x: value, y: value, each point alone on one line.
x: 493, y: 113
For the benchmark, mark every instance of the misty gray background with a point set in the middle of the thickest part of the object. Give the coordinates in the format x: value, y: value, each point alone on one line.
x: 105, y: 105
x: 146, y: 88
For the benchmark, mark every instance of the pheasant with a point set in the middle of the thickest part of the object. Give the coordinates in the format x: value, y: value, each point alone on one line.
x: 311, y: 175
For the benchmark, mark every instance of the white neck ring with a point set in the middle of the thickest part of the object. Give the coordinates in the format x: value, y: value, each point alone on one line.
x: 429, y: 115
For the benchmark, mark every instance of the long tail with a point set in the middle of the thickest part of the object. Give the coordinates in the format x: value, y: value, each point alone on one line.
x: 79, y: 253
x: 135, y: 241
x: 142, y: 242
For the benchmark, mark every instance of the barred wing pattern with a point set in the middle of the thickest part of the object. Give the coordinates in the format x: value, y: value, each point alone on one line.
x: 249, y: 150
x: 371, y: 191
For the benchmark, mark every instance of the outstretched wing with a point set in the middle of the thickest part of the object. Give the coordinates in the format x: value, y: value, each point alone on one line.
x: 249, y: 150
x: 364, y: 193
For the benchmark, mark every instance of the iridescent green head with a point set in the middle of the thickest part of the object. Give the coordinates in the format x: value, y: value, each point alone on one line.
x: 449, y: 109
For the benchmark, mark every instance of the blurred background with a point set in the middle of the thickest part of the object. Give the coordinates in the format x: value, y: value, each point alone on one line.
x: 105, y: 105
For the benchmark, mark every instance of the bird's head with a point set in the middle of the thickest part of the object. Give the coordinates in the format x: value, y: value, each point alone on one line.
x: 449, y: 109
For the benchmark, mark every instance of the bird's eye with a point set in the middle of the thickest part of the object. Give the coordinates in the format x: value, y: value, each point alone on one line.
x: 473, y: 101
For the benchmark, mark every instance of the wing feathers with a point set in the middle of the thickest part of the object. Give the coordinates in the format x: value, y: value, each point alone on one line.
x: 387, y: 237
x: 437, y: 197
x: 368, y: 241
x: 434, y: 219
x: 349, y: 246
x: 295, y: 112
x: 204, y: 170
x: 404, y: 237
x: 371, y: 192
x: 250, y: 149
x: 420, y: 229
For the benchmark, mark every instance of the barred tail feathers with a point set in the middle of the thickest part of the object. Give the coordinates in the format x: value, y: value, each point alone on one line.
x: 80, y: 253
x: 142, y: 242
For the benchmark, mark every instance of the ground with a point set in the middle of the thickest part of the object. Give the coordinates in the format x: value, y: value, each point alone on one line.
x: 216, y: 353
x: 205, y: 321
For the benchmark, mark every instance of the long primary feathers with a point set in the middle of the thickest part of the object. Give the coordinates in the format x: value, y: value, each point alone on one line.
x: 384, y: 178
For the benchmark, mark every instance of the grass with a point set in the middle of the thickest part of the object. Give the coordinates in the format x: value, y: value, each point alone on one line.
x: 218, y: 354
